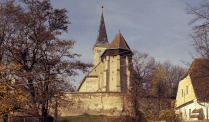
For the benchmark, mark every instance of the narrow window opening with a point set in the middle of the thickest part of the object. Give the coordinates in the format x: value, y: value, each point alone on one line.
x: 186, y: 90
x: 182, y: 93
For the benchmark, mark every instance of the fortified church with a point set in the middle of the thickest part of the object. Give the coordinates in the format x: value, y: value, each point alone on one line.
x: 103, y: 90
x: 112, y: 64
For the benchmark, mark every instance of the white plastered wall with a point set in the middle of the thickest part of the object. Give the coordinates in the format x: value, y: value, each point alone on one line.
x: 185, y: 111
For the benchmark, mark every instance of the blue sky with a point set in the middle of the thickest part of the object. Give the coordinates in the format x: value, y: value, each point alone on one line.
x: 157, y: 27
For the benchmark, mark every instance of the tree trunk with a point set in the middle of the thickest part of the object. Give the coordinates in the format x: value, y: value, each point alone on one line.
x: 6, y: 118
x: 44, y: 113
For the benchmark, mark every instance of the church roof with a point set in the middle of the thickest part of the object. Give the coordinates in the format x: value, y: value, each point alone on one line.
x: 119, y: 42
x: 199, y: 74
x: 102, y: 40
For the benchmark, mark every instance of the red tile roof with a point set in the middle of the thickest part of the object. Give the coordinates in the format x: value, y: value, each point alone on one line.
x: 119, y: 42
x: 199, y: 74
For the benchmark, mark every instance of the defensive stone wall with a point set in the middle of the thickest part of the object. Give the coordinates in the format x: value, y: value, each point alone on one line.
x: 93, y: 103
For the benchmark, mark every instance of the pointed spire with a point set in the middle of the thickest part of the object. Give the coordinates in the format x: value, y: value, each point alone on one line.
x: 119, y: 42
x: 102, y: 40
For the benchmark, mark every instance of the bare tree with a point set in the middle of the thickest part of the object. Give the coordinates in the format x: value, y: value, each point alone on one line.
x: 143, y: 66
x: 200, y: 67
x: 200, y: 31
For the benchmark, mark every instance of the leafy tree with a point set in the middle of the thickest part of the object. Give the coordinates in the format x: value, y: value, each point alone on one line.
x: 172, y: 75
x: 160, y: 88
x: 165, y: 84
x: 153, y: 85
x: 31, y: 39
x: 12, y: 97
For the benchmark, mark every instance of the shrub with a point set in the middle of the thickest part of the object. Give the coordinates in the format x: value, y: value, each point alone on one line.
x: 167, y: 115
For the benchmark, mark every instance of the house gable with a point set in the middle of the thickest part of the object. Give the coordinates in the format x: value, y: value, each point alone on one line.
x: 184, y: 95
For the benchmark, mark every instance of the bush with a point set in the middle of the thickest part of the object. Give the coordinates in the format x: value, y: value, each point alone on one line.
x: 166, y: 115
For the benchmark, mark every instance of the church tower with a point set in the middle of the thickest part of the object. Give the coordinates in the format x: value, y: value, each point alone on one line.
x: 101, y: 42
x: 113, y: 68
x: 118, y: 56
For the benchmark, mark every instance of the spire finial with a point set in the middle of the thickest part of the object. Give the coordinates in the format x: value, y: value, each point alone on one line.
x: 119, y: 30
x: 102, y: 8
x: 102, y: 40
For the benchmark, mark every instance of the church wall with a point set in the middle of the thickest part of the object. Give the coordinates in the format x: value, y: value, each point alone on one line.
x: 97, y: 53
x: 90, y: 85
x: 96, y: 83
x: 111, y: 74
x: 106, y: 103
x: 123, y: 74
x: 128, y: 72
x: 107, y: 70
x: 114, y: 79
x: 104, y: 75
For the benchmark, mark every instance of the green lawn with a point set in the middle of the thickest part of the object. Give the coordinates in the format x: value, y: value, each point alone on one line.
x: 86, y: 118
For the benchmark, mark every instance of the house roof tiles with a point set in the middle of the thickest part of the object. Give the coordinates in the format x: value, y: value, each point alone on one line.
x: 119, y: 42
x: 199, y: 74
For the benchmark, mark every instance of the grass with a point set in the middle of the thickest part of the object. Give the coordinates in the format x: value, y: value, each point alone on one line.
x: 86, y: 118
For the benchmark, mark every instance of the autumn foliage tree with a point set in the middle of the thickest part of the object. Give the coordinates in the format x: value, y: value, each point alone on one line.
x: 12, y: 97
x: 154, y: 84
x: 30, y: 37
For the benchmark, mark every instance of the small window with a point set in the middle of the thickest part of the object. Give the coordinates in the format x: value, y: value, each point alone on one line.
x: 186, y: 90
x: 182, y: 92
